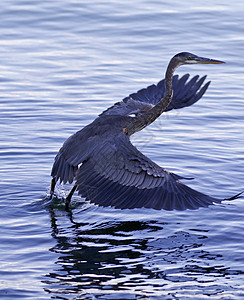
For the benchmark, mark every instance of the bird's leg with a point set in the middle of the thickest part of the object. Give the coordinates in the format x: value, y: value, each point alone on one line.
x: 53, y: 183
x: 68, y: 198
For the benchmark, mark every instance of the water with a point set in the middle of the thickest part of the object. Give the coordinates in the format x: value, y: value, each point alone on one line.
x: 62, y: 63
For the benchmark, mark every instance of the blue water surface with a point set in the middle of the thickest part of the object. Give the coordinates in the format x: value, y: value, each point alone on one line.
x: 62, y: 63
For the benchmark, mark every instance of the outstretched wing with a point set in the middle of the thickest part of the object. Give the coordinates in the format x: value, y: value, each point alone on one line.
x: 185, y: 94
x: 119, y: 175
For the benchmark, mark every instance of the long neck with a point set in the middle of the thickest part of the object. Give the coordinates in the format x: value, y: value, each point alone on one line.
x: 148, y: 117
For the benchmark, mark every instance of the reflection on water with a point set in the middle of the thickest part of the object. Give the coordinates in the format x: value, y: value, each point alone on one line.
x: 131, y: 259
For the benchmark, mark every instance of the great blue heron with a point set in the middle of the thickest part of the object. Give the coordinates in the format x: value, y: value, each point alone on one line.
x: 108, y: 170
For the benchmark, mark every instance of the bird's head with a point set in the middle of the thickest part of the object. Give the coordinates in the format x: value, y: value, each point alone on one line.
x: 185, y: 58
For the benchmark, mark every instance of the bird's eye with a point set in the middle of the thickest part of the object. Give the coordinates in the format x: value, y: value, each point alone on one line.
x: 189, y: 57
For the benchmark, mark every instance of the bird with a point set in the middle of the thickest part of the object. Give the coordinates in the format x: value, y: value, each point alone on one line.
x: 108, y: 170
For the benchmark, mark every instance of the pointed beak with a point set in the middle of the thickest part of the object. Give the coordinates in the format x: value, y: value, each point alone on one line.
x: 204, y: 60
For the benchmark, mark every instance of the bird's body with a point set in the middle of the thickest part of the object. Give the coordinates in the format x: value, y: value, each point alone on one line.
x: 84, y: 143
x: 108, y: 170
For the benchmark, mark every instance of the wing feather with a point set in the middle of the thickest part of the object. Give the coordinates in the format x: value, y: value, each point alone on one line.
x: 122, y: 187
x: 185, y: 94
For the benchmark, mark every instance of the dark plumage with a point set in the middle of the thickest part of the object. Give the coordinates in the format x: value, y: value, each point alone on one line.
x: 108, y: 170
